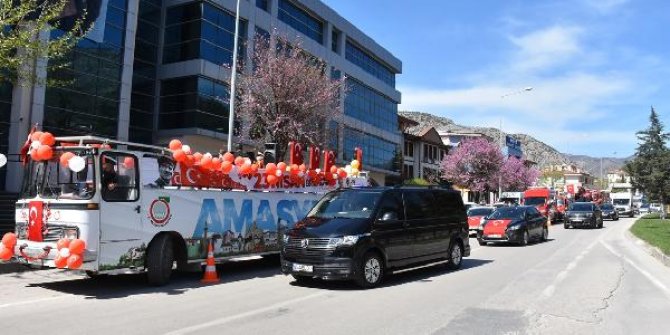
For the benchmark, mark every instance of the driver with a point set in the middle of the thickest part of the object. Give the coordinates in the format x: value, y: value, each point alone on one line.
x: 109, y: 176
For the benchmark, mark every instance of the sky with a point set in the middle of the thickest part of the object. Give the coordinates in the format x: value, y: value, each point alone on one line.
x: 596, y: 67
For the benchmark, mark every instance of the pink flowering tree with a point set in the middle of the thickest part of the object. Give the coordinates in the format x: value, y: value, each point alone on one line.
x: 289, y: 95
x: 516, y: 176
x: 474, y: 164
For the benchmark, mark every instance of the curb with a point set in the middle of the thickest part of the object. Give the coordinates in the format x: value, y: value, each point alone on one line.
x: 649, y: 249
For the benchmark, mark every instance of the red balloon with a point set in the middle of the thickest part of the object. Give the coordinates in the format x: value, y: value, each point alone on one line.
x: 333, y: 169
x: 216, y: 163
x: 5, y: 253
x: 34, y: 155
x: 47, y: 138
x: 44, y: 152
x: 254, y: 168
x: 302, y: 168
x: 281, y: 166
x: 245, y: 168
x: 226, y: 167
x: 197, y: 156
x: 270, y: 168
x: 77, y: 246
x: 36, y: 136
x: 9, y: 240
x: 341, y: 173
x: 175, y: 144
x: 295, y: 169
x: 129, y: 162
x: 179, y: 155
x: 63, y: 243
x: 190, y: 160
x: 228, y: 157
x: 206, y: 162
x: 272, y: 179
x: 65, y: 158
x: 239, y: 160
x: 60, y: 262
x: 74, y: 261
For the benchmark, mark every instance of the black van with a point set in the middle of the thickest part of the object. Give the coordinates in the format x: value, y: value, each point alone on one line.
x: 364, y: 234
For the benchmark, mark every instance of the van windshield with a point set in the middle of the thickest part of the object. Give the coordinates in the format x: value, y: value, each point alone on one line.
x: 534, y: 201
x: 624, y: 202
x: 51, y: 180
x: 346, y: 204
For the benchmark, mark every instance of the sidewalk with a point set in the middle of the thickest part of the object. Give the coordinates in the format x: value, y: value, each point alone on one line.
x: 649, y: 249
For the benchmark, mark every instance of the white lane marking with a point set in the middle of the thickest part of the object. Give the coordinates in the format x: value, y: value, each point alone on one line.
x: 28, y: 302
x: 221, y: 321
x: 649, y: 276
x: 551, y: 289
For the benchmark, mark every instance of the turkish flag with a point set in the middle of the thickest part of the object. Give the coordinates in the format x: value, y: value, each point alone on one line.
x: 35, y: 221
x: 26, y: 147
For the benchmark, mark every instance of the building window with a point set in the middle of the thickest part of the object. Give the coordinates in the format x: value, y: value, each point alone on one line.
x: 89, y: 103
x: 377, y: 152
x: 301, y: 20
x: 409, y: 148
x: 262, y: 4
x: 362, y: 59
x: 335, y: 40
x: 367, y: 105
x: 407, y: 171
x: 194, y: 102
x: 201, y: 30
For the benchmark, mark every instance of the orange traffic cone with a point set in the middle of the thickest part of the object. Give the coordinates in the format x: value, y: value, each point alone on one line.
x: 210, y: 270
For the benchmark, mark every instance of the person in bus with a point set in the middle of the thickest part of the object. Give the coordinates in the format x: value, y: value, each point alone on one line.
x: 109, y: 176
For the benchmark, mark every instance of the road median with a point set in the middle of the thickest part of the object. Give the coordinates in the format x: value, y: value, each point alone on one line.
x: 653, y: 235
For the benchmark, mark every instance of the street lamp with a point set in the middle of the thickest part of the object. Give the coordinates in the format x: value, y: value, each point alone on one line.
x: 233, y: 77
x: 502, y: 143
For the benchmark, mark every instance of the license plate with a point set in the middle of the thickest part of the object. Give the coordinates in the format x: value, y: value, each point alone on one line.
x: 494, y: 236
x: 303, y: 268
x: 577, y: 220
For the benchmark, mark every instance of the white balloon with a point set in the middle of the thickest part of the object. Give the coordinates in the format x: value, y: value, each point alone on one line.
x: 207, y: 155
x: 35, y: 145
x: 247, y: 160
x: 347, y: 169
x: 65, y: 252
x: 3, y: 160
x: 279, y: 173
x: 76, y: 163
x: 186, y: 148
x: 317, y: 170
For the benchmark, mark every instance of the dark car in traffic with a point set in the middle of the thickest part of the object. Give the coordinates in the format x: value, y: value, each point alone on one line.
x: 365, y: 234
x: 609, y: 212
x: 583, y: 214
x: 519, y: 225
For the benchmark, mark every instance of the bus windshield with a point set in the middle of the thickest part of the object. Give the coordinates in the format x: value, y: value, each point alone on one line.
x: 51, y: 180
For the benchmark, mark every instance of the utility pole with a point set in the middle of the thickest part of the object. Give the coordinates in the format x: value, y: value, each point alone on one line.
x: 233, y: 77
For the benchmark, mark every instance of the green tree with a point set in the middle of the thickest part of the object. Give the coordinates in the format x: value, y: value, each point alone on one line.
x: 21, y: 22
x: 650, y: 167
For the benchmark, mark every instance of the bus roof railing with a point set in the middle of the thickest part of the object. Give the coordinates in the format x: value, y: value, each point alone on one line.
x: 82, y: 141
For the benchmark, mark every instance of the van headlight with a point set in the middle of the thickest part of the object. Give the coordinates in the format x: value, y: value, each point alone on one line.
x: 71, y: 233
x: 344, y: 241
x: 285, y: 238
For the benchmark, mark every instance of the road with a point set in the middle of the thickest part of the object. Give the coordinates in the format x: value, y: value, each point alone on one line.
x: 579, y: 282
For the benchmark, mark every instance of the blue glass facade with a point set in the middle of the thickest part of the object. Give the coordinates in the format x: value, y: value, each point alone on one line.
x: 301, y: 20
x: 144, y: 74
x: 263, y: 4
x: 370, y: 106
x: 377, y: 152
x: 368, y: 63
x: 194, y: 102
x: 88, y: 103
x: 201, y: 31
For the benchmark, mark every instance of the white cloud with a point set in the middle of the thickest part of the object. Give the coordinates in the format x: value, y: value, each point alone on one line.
x: 546, y: 48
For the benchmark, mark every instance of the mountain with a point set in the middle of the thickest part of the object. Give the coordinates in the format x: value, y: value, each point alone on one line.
x: 534, y: 149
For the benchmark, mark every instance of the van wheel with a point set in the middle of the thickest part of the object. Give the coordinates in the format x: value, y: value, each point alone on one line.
x: 370, y: 271
x: 160, y: 257
x: 455, y: 256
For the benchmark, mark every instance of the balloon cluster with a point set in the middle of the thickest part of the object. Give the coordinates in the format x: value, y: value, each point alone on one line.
x: 40, y: 146
x: 70, y: 253
x: 7, y: 246
x: 272, y: 173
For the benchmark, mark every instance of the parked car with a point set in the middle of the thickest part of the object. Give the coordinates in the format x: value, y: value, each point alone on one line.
x: 644, y: 209
x: 655, y: 207
x: 584, y: 214
x: 519, y: 225
x: 366, y: 234
x: 609, y: 212
x: 475, y: 217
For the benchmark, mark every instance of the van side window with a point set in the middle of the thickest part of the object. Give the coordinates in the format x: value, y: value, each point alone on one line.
x: 446, y: 203
x: 392, y: 202
x: 119, y: 177
x: 419, y: 204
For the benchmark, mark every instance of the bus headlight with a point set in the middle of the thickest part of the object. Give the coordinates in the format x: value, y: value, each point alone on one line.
x: 71, y: 233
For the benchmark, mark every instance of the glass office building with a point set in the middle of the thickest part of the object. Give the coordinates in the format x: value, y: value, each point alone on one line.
x: 159, y: 69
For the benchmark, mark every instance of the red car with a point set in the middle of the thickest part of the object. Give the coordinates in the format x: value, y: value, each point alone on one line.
x: 475, y: 216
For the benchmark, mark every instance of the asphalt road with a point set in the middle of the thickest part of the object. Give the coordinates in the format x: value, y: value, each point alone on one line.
x: 579, y: 282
